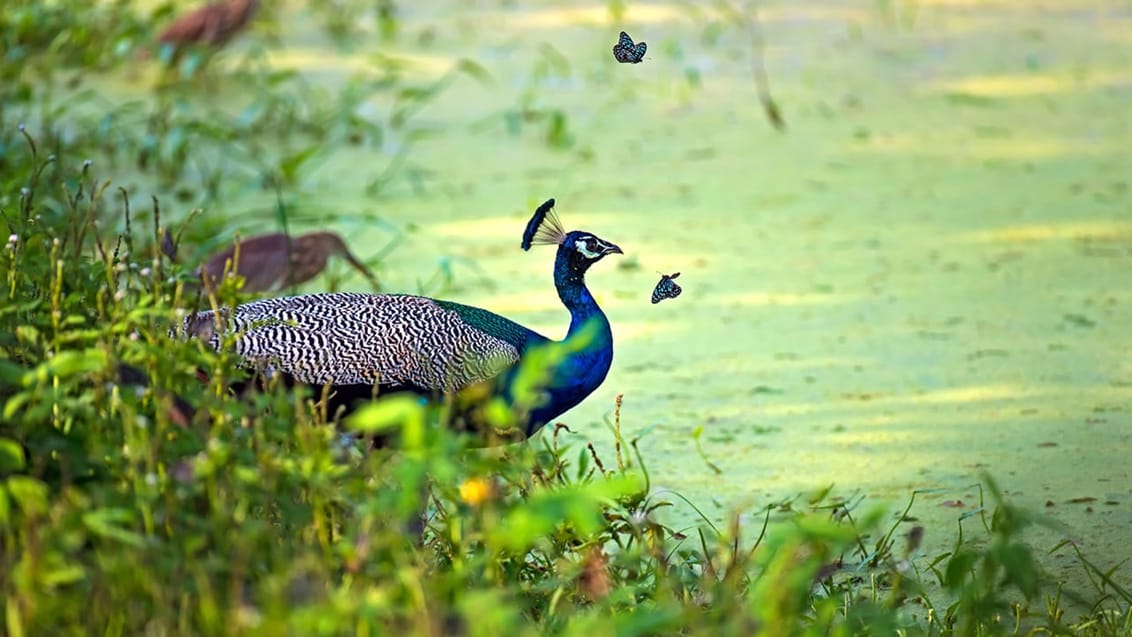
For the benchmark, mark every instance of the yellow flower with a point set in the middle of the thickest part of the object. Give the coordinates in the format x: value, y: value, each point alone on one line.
x: 476, y: 491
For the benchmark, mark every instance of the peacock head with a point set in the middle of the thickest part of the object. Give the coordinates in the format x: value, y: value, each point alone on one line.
x: 582, y: 249
x: 579, y: 249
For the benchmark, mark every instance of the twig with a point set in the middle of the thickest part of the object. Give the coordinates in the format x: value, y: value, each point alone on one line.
x: 750, y: 18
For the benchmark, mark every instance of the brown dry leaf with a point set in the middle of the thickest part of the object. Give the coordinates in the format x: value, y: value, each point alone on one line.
x: 168, y: 247
x: 915, y: 537
x: 594, y: 580
x: 213, y: 24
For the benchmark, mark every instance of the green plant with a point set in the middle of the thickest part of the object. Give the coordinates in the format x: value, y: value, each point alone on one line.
x: 262, y: 514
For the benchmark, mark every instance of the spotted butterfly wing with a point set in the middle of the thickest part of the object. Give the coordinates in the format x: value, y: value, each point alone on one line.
x: 628, y: 53
x: 639, y: 52
x: 666, y: 288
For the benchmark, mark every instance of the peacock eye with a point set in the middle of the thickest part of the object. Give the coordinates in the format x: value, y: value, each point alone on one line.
x: 590, y: 247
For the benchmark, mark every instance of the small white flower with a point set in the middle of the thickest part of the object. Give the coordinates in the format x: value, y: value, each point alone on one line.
x: 145, y: 272
x: 119, y: 295
x: 12, y: 238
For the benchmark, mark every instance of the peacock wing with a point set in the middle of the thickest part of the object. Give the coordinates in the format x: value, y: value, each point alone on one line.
x: 351, y: 338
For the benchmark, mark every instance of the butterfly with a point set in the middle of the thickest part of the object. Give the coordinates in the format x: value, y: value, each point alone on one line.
x: 628, y: 53
x: 666, y: 288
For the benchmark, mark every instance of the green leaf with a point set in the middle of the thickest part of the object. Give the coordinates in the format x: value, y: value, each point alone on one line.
x: 498, y: 415
x: 30, y: 494
x: 538, y: 364
x: 492, y: 612
x: 11, y: 456
x: 27, y: 334
x: 19, y: 308
x: 13, y: 621
x: 14, y: 403
x: 395, y: 412
x: 959, y: 569
x: 1018, y: 563
x: 289, y: 166
x: 475, y: 70
x: 66, y: 364
x: 62, y: 575
x: 578, y: 505
x: 658, y: 620
x: 108, y: 523
x: 10, y: 373
x: 5, y: 507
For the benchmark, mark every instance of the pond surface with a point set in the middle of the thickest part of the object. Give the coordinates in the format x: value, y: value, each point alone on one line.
x: 926, y: 276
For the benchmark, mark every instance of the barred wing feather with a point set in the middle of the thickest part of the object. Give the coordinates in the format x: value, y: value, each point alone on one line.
x: 352, y: 339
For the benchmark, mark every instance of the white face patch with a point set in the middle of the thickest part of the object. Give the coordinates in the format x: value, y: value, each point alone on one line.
x: 580, y: 246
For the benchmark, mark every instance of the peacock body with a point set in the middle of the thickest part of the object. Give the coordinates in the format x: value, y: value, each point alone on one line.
x: 363, y: 345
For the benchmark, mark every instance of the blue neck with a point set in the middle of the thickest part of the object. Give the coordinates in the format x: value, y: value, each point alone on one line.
x: 583, y: 371
x: 571, y: 286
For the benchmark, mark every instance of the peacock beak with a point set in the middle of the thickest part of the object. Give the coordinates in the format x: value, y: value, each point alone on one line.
x: 611, y: 248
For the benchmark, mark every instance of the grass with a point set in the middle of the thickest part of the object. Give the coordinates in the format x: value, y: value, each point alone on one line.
x: 266, y: 516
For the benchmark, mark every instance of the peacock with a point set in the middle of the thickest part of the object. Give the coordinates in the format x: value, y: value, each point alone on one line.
x: 365, y: 345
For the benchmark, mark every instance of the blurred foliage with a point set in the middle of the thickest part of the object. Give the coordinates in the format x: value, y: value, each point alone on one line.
x: 181, y: 142
x: 68, y: 33
x: 261, y: 515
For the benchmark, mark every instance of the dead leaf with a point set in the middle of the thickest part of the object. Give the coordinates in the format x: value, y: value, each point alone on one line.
x: 594, y: 580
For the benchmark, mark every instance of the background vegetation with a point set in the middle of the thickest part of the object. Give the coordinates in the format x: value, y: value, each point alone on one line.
x: 261, y: 517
